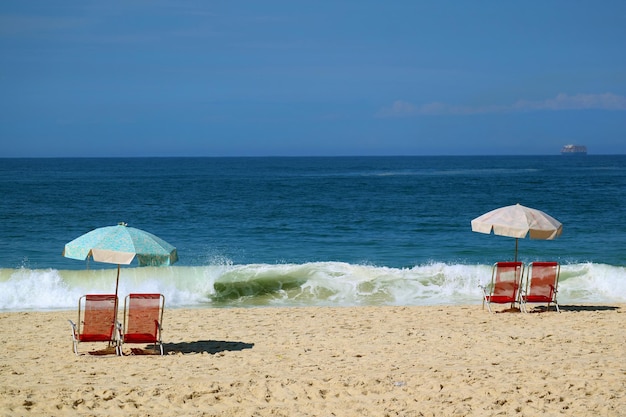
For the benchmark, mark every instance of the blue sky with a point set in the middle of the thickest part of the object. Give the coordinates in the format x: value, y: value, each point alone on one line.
x: 258, y: 78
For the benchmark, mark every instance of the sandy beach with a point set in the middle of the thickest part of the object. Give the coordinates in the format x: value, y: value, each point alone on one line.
x: 323, y: 361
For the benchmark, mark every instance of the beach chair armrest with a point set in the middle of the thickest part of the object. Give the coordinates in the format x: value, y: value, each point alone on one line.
x: 74, y: 330
x: 483, y: 288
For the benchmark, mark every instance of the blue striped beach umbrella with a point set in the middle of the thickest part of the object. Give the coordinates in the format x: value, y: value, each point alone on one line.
x: 120, y: 245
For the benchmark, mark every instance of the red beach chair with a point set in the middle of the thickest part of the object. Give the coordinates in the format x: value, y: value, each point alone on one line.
x: 97, y: 314
x: 541, y: 284
x: 143, y: 316
x: 505, y: 284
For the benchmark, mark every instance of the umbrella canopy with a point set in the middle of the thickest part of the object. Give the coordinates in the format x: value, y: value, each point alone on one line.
x: 120, y: 245
x: 518, y: 221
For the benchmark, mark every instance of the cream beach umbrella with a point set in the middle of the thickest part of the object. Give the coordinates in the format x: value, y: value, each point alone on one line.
x: 518, y: 221
x: 120, y: 245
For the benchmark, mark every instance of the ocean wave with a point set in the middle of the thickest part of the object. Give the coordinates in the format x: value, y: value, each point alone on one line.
x: 308, y: 284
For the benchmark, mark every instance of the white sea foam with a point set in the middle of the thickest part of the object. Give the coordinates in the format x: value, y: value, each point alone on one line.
x: 324, y: 283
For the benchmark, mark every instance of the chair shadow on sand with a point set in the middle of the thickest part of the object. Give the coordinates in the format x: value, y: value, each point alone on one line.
x: 587, y: 308
x: 209, y: 346
x: 543, y: 309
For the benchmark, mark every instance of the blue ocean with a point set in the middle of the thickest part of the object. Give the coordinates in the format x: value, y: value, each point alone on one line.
x: 309, y: 231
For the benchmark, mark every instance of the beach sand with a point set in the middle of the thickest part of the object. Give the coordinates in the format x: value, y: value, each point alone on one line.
x: 326, y: 361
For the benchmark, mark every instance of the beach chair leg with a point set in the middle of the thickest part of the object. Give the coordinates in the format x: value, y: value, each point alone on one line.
x: 485, y: 299
x: 74, y: 337
x: 118, y: 338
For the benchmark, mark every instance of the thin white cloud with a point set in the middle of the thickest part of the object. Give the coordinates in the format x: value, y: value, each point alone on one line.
x: 606, y: 101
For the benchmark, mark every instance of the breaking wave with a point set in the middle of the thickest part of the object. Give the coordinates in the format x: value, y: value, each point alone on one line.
x: 308, y: 284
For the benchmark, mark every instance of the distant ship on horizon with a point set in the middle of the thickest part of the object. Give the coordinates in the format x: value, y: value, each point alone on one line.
x: 574, y: 150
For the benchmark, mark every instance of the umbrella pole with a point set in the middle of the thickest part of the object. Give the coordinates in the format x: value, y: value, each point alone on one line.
x: 117, y: 282
x: 516, y: 242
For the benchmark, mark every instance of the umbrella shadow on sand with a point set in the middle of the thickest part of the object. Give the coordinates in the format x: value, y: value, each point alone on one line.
x: 206, y: 346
